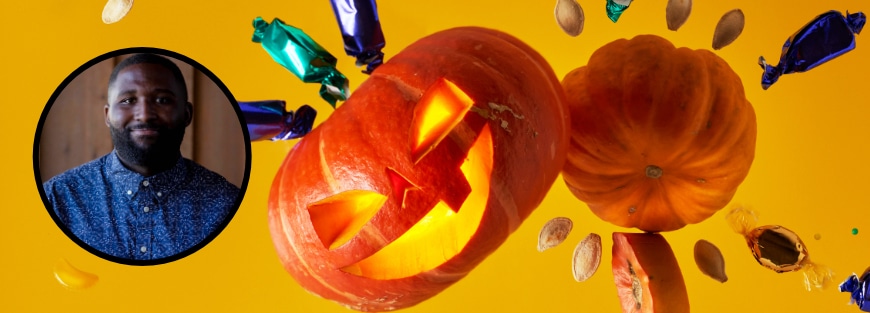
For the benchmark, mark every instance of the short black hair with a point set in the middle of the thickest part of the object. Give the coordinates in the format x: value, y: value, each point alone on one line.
x: 149, y: 58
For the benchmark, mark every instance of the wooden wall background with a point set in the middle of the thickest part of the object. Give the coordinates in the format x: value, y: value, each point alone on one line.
x: 75, y: 132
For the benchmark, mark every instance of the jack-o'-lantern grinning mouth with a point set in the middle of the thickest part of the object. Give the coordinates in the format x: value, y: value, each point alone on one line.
x: 445, y: 230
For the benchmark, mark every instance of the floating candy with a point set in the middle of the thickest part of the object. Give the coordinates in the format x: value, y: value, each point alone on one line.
x: 677, y: 12
x: 570, y: 17
x: 730, y: 27
x: 826, y: 37
x: 860, y: 289
x: 297, y: 52
x: 554, y: 232
x: 269, y: 120
x: 361, y: 31
x: 778, y: 248
x: 115, y: 10
x: 616, y: 7
x: 71, y: 277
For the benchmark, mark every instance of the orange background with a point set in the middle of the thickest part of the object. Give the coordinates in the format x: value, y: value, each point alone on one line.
x: 809, y: 174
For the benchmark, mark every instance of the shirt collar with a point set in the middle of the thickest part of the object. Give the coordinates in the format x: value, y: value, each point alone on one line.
x: 129, y: 181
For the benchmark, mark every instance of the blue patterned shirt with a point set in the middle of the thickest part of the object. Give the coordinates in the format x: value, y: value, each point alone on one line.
x: 126, y: 215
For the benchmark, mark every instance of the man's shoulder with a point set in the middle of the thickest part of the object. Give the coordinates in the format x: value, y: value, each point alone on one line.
x: 78, y: 175
x: 203, y: 177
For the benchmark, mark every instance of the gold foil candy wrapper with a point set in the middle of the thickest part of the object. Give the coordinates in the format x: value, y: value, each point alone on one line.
x: 779, y: 249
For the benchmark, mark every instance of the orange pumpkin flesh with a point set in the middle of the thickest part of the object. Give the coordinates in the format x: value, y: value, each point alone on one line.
x: 647, y: 275
x: 426, y: 169
x: 661, y: 137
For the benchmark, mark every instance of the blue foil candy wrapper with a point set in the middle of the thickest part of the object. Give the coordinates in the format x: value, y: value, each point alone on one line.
x: 615, y: 8
x: 826, y: 37
x: 860, y: 290
x: 297, y: 52
x: 361, y: 31
x: 269, y: 120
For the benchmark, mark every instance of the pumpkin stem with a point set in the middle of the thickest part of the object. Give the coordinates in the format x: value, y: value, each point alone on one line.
x: 653, y: 171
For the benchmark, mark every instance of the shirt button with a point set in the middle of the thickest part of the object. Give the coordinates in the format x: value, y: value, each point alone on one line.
x: 143, y: 249
x: 146, y: 209
x: 159, y: 194
x: 129, y: 192
x: 145, y: 183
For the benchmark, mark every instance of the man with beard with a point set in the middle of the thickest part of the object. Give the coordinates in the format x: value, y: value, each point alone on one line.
x: 143, y: 200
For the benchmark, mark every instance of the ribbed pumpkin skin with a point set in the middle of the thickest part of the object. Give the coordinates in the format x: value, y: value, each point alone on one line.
x: 370, y: 132
x: 642, y: 102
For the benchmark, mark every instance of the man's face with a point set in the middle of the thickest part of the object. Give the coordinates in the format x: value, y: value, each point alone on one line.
x: 147, y: 113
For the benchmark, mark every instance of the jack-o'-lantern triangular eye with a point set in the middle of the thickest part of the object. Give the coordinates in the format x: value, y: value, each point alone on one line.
x: 440, y: 109
x: 338, y: 218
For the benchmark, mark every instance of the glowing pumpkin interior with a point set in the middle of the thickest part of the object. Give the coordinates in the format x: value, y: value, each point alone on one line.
x: 444, y: 231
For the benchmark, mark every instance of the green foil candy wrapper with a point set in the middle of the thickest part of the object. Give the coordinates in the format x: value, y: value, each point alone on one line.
x: 616, y: 7
x: 297, y: 52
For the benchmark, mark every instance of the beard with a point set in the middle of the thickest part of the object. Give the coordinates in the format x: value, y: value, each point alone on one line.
x: 160, y: 153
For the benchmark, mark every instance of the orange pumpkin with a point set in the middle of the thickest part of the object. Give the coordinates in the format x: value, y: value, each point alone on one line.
x: 661, y: 137
x: 426, y: 169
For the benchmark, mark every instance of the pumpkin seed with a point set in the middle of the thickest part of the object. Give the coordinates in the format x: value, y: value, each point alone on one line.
x: 554, y: 232
x: 115, y: 10
x: 728, y: 29
x: 710, y: 261
x: 677, y: 13
x: 587, y: 256
x: 569, y: 16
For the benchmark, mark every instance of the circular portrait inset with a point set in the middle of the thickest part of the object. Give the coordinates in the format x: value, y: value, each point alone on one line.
x: 141, y: 156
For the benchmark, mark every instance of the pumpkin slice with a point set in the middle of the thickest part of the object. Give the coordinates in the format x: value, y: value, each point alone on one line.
x: 647, y: 276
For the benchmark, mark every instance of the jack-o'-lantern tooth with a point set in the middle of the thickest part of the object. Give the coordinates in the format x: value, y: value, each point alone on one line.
x: 340, y: 217
x: 440, y: 109
x: 400, y: 185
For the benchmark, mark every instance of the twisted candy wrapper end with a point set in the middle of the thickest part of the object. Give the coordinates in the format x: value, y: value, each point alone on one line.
x: 614, y: 10
x: 334, y: 88
x: 771, y: 73
x: 858, y: 288
x: 817, y: 276
x: 268, y: 120
x: 297, y: 124
x: 856, y: 21
x: 259, y: 29
x: 742, y: 220
x: 360, y: 31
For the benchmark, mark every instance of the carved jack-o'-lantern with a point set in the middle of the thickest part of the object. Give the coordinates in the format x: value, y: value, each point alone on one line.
x: 423, y: 172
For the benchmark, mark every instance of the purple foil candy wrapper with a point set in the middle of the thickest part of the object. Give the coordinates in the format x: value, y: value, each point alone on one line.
x: 269, y: 120
x: 858, y: 287
x: 361, y: 31
x: 826, y: 37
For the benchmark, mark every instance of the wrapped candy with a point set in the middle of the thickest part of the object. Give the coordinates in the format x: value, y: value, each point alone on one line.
x: 296, y: 51
x: 361, y: 31
x: 616, y: 7
x: 778, y: 248
x: 826, y: 37
x: 269, y: 120
x: 860, y: 290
